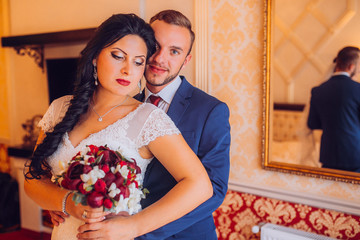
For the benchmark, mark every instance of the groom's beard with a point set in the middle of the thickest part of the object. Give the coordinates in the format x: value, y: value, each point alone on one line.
x: 167, y: 79
x: 354, y: 72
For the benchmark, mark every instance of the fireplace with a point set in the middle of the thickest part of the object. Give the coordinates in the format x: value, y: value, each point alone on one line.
x: 61, y: 75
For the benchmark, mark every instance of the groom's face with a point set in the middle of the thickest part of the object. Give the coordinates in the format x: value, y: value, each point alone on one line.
x: 171, y: 55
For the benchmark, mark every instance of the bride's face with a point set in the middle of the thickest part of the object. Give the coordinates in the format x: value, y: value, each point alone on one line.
x: 121, y: 65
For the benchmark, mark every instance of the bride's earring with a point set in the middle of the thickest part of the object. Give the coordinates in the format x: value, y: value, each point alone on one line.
x: 95, y: 75
x: 139, y: 85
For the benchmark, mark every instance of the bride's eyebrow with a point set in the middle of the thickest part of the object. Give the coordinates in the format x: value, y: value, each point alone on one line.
x: 126, y: 53
x: 116, y: 48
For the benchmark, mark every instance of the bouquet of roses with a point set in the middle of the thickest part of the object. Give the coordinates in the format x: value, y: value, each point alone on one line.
x: 101, y: 177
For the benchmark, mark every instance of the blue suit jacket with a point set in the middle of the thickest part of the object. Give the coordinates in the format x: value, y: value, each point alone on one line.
x: 335, y: 108
x: 204, y: 123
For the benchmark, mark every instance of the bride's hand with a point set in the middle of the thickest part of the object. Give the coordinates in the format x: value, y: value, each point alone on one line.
x: 93, y: 215
x: 85, y: 213
x: 57, y: 217
x: 112, y: 228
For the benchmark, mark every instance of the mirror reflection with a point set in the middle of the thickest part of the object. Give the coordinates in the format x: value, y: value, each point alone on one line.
x: 304, y: 38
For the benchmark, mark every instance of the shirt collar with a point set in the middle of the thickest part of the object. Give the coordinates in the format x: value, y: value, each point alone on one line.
x: 167, y: 93
x: 341, y: 73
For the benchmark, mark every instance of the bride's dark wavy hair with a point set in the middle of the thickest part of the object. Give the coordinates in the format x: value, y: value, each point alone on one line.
x: 109, y: 32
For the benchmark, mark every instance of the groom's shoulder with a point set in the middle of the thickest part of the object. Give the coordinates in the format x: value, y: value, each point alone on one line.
x: 199, y: 96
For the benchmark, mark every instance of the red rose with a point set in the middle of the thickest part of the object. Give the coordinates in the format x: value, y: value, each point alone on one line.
x: 134, y: 166
x: 108, y: 203
x: 131, y: 166
x: 105, y: 157
x: 74, y: 184
x: 119, y: 181
x: 75, y: 170
x: 87, y: 169
x: 71, y: 184
x: 124, y: 191
x: 74, y: 157
x: 109, y: 178
x: 91, y: 160
x: 100, y: 186
x: 93, y: 149
x: 109, y: 157
x: 65, y: 183
x: 130, y: 178
x: 103, y: 148
x: 105, y: 168
x: 82, y: 190
x: 72, y: 179
x: 95, y: 199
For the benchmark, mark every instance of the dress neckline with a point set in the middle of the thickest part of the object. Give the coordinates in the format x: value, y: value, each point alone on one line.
x: 126, y: 117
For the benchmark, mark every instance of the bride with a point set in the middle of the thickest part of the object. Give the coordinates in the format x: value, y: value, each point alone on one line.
x: 101, y: 113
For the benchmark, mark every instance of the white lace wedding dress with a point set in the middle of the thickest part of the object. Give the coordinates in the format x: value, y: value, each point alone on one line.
x: 127, y: 135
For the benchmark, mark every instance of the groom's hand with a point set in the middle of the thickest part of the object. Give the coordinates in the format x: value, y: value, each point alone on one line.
x: 57, y: 217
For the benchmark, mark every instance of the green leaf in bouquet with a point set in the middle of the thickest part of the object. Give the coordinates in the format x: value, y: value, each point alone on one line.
x: 56, y: 178
x: 89, y: 188
x: 145, y: 191
x: 79, y: 198
x: 98, y: 159
x: 120, y: 156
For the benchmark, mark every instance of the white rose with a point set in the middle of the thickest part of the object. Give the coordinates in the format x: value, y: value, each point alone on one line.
x: 121, y: 205
x: 124, y: 171
x: 113, y: 191
x: 84, y: 177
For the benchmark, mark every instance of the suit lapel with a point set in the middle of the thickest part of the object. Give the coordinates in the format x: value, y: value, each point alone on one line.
x: 140, y: 96
x: 180, y: 102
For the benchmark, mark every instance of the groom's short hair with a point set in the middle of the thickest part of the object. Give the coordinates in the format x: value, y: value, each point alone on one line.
x: 347, y: 56
x: 175, y: 18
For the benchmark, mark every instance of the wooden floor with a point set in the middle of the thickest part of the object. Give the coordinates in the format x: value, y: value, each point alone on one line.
x: 24, y: 234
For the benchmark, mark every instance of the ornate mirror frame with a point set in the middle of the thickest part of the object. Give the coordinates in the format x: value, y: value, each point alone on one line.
x: 324, y: 173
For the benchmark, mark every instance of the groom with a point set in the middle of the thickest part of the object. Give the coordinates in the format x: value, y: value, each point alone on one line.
x: 202, y: 119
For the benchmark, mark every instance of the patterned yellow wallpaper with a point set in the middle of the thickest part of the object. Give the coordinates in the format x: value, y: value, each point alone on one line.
x: 236, y: 48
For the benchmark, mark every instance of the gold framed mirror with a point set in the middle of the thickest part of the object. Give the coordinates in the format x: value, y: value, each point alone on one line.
x: 302, y: 37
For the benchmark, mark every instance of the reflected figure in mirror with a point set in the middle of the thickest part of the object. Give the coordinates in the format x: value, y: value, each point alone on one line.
x: 335, y: 109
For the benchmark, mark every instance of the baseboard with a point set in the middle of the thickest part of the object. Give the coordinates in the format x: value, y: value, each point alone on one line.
x: 340, y: 205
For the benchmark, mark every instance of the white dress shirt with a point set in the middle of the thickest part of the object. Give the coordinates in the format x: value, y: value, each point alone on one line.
x: 167, y: 94
x: 341, y: 73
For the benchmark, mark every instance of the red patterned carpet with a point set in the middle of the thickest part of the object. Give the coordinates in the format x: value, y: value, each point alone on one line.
x: 24, y: 234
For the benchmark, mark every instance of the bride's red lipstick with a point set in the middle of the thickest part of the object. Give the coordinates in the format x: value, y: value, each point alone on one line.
x: 123, y: 82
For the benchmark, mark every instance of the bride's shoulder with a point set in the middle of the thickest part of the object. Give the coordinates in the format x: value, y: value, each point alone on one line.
x: 148, y: 111
x: 61, y: 100
x: 61, y: 104
x: 148, y: 108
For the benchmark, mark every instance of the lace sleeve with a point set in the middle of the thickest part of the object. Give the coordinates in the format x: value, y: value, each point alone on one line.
x: 55, y: 113
x: 157, y: 124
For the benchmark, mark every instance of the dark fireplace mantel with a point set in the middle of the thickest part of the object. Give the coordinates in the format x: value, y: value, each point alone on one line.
x: 33, y: 44
x: 70, y: 36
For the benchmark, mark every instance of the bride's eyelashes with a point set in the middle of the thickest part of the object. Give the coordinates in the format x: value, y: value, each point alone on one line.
x: 118, y: 56
x: 139, y: 61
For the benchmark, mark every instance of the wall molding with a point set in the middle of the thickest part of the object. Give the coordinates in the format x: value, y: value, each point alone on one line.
x: 202, y: 79
x: 340, y: 205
